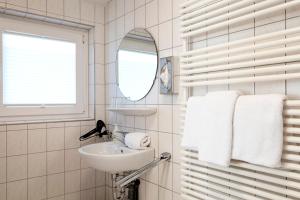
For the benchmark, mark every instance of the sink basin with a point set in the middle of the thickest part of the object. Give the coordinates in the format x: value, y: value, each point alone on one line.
x: 115, y: 156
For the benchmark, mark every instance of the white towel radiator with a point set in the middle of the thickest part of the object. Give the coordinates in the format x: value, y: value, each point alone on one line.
x: 271, y: 57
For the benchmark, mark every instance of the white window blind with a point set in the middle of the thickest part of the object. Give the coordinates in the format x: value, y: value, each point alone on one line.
x: 43, y: 71
x: 37, y: 70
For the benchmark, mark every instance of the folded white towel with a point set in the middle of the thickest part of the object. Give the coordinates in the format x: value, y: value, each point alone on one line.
x: 137, y: 140
x: 208, y: 126
x: 258, y: 129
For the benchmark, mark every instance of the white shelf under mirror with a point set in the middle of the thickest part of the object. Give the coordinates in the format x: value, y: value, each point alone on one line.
x: 134, y: 111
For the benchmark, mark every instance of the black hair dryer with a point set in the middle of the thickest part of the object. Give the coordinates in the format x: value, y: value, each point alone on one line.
x: 100, y: 130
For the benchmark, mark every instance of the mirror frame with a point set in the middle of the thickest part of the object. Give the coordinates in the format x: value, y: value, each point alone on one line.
x: 117, y: 64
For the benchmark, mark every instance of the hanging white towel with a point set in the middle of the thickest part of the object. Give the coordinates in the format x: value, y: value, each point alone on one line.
x: 137, y: 140
x: 208, y: 126
x: 192, y: 122
x: 258, y: 129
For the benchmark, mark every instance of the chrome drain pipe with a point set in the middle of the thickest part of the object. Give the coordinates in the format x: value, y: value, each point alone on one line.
x: 136, y: 174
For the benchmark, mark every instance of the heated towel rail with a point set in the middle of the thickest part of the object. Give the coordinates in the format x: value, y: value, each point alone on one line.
x: 270, y: 57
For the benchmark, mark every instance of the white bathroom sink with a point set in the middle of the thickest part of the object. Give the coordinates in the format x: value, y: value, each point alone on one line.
x: 115, y: 156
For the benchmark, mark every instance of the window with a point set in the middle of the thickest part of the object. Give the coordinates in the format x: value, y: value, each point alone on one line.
x: 44, y: 71
x: 38, y: 71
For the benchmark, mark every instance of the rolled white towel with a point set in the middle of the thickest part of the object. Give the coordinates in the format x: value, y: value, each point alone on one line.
x: 137, y: 140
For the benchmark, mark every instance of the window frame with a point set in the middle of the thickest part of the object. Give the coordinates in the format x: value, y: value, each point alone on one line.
x: 53, y: 111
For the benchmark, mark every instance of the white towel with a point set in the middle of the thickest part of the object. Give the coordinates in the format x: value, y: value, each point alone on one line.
x: 192, y: 122
x: 258, y: 129
x: 208, y: 126
x: 137, y: 140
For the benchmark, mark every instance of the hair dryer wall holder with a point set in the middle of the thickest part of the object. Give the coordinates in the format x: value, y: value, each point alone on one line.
x: 100, y: 130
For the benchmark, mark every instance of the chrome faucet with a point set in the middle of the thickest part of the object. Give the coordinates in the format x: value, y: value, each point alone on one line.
x: 118, y: 134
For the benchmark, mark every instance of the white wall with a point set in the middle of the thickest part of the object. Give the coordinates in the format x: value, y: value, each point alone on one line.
x: 161, y: 18
x: 41, y: 161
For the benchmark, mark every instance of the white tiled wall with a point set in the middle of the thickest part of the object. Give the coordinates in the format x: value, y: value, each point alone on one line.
x: 161, y: 19
x: 41, y: 161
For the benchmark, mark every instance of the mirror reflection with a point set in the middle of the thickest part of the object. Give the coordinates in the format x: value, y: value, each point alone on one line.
x: 136, y: 64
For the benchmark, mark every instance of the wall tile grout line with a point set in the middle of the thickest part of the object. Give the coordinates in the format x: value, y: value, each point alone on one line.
x: 48, y: 126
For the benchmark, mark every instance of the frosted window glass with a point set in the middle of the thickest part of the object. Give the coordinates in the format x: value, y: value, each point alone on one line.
x: 38, y: 70
x: 136, y: 73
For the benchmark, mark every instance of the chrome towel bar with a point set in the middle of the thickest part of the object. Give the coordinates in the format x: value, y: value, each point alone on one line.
x: 136, y: 174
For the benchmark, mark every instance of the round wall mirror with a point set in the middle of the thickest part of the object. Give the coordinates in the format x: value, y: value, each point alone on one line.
x: 137, y: 61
